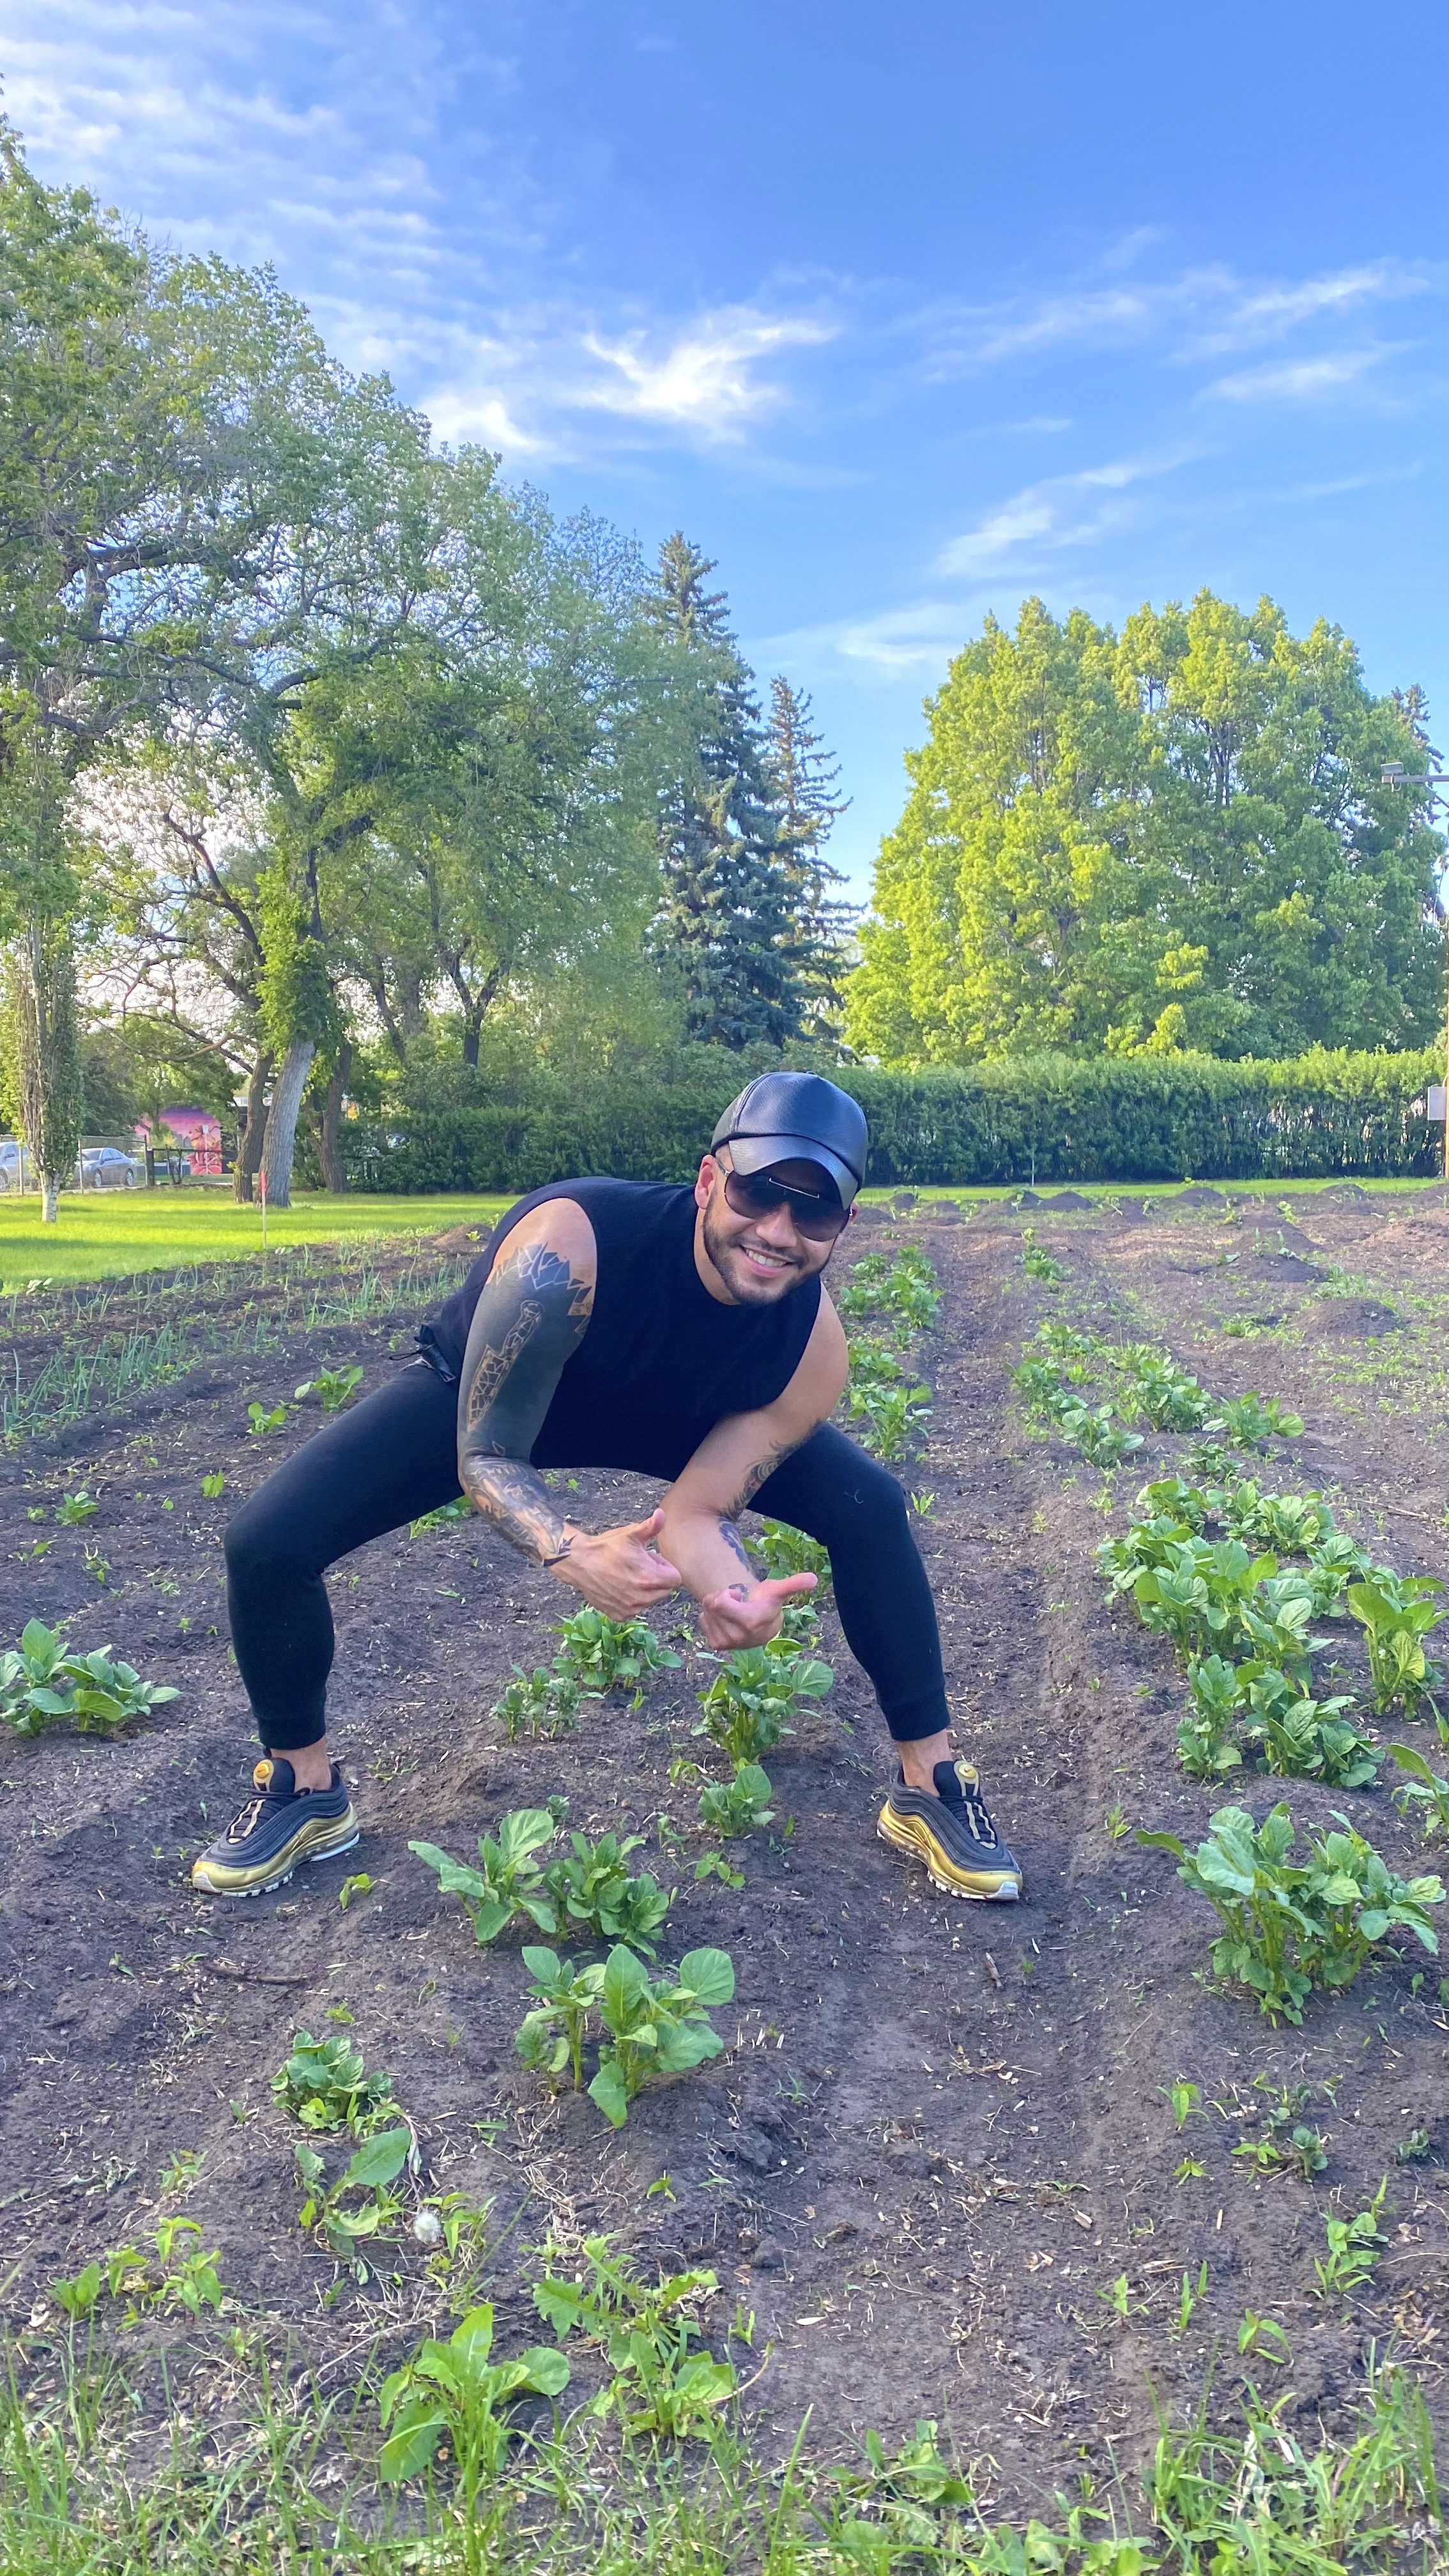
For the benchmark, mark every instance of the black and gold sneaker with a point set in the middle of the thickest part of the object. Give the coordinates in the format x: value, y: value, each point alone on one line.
x: 953, y: 1834
x: 276, y: 1831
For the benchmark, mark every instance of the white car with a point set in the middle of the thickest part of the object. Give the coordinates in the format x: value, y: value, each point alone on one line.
x: 105, y: 1167
x: 10, y: 1172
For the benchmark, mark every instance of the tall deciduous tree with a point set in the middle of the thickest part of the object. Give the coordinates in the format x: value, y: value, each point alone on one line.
x: 727, y: 924
x: 1175, y: 837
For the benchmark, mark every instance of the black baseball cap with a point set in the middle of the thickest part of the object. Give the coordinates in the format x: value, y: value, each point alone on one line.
x: 797, y: 1118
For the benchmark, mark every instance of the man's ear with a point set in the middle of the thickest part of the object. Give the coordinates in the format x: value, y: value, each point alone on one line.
x: 704, y: 1180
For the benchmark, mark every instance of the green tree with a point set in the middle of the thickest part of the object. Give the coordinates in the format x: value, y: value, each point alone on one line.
x: 1175, y: 838
x: 805, y: 778
x: 726, y: 927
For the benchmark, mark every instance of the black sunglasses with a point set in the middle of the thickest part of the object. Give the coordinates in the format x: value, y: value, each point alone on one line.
x: 815, y: 1217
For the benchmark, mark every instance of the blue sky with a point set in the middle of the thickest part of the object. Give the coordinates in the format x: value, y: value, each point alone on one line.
x: 902, y: 312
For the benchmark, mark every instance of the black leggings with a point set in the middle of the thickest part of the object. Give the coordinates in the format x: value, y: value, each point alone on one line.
x: 394, y: 1457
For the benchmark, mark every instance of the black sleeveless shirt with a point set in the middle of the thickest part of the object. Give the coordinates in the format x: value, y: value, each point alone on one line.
x: 662, y: 1361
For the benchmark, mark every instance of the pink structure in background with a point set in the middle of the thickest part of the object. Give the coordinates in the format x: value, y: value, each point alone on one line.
x: 199, y: 1132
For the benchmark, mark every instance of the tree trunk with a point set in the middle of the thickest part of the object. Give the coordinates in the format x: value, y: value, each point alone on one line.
x: 281, y: 1135
x: 249, y: 1150
x: 334, y: 1173
x: 49, y: 1199
x: 47, y: 1056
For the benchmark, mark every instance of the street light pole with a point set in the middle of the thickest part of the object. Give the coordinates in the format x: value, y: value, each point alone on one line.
x: 1395, y: 774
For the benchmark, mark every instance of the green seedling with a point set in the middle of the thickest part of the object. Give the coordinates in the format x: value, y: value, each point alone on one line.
x: 657, y: 2384
x: 359, y: 2204
x: 34, y: 1689
x: 923, y: 1505
x: 1354, y: 2245
x: 881, y: 1399
x: 1116, y: 1823
x: 107, y: 1694
x: 1101, y: 1438
x: 799, y: 1621
x: 1263, y: 2339
x: 1293, y: 1927
x: 550, y: 2038
x: 1184, y: 2097
x: 181, y: 2171
x: 739, y: 1805
x: 1396, y: 1614
x: 325, y: 2085
x: 1188, y: 2169
x: 1425, y: 1792
x: 79, y: 2296
x: 656, y: 2026
x: 1207, y: 1737
x: 1289, y: 1523
x: 1190, y: 2293
x: 168, y: 2277
x: 714, y: 1865
x: 333, y: 1388
x: 261, y: 1424
x: 592, y: 1891
x: 611, y: 1654
x: 358, y: 1885
x: 1333, y: 1564
x: 1413, y: 2149
x: 507, y: 1881
x: 747, y: 1705
x: 460, y: 1509
x: 213, y: 1484
x: 76, y: 1508
x: 454, y: 2392
x: 783, y: 1550
x: 1301, y: 2150
x: 541, y: 1703
x: 1250, y: 1423
x: 1038, y: 1263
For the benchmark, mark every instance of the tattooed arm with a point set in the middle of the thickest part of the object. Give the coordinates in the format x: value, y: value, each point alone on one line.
x: 702, y: 1509
x: 529, y: 1321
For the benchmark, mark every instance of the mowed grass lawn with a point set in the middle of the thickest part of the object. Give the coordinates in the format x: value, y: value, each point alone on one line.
x: 104, y: 1234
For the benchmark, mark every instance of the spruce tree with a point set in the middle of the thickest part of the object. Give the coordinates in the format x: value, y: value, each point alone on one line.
x: 727, y: 917
x: 805, y: 777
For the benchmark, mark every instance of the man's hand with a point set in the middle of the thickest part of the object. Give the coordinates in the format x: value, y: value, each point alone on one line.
x: 749, y: 1614
x: 618, y: 1571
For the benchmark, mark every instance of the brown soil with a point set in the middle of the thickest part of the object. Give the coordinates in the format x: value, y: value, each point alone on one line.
x: 939, y: 2135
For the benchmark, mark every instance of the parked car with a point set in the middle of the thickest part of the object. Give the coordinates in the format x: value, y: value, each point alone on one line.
x: 10, y: 1172
x: 105, y: 1167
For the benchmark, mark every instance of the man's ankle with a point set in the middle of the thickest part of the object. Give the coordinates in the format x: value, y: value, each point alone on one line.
x: 311, y: 1764
x: 919, y: 1760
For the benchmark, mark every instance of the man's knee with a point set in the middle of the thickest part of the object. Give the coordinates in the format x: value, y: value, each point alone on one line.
x: 259, y: 1548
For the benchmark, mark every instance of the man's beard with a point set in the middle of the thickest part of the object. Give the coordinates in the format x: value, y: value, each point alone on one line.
x: 748, y: 1291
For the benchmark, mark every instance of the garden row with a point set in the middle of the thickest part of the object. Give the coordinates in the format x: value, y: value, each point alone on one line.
x: 1241, y: 1610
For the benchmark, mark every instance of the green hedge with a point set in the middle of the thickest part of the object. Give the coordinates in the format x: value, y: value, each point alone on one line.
x: 1047, y: 1118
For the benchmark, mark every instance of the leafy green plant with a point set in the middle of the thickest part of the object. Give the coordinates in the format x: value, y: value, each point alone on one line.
x: 1425, y: 1791
x: 443, y: 1517
x: 1302, y: 2150
x: 77, y: 1508
x: 1396, y: 1613
x: 507, y: 1881
x: 1174, y: 1499
x: 657, y: 2026
x: 214, y: 1484
x: 107, y: 1694
x: 1207, y: 1743
x: 541, y: 1703
x: 34, y: 1690
x: 1300, y: 1738
x: 1037, y: 1262
x: 261, y: 1424
x: 326, y: 2086
x: 782, y: 1550
x: 359, y: 1884
x: 1165, y: 1395
x: 1250, y: 1423
x: 739, y: 1805
x: 1354, y: 2245
x: 1333, y: 1563
x: 550, y: 2037
x: 1103, y: 1440
x: 881, y: 1398
x: 172, y: 2275
x: 592, y: 1889
x: 333, y: 1388
x: 747, y: 1705
x: 1290, y: 1927
x: 611, y: 1654
x: 359, y: 2204
x: 658, y: 2384
x: 455, y: 2391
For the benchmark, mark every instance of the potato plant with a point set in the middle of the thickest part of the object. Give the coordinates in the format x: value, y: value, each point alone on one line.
x: 1424, y: 1793
x: 748, y: 1704
x: 782, y: 1550
x: 41, y: 1683
x: 593, y: 1892
x: 550, y: 2038
x: 508, y: 1879
x: 1292, y: 1926
x: 740, y: 1805
x: 326, y: 2086
x: 611, y: 1654
x: 1396, y: 1613
x: 657, y: 2026
x: 545, y: 1702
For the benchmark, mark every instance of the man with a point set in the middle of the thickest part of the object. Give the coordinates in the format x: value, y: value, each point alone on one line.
x: 682, y: 1333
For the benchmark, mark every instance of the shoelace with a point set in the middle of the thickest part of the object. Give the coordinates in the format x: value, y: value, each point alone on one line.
x: 981, y: 1828
x: 238, y: 1830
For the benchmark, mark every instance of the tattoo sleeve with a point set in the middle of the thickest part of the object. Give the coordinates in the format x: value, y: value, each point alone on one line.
x: 763, y: 1469
x: 530, y: 1319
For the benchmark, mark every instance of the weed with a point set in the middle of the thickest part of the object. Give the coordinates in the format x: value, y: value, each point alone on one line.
x: 325, y: 2085
x: 747, y: 1705
x: 333, y: 1388
x: 658, y: 2385
x: 739, y: 1805
x: 611, y: 1654
x: 213, y: 1484
x: 180, y: 2171
x: 923, y: 1505
x: 1292, y: 1927
x: 1190, y: 2293
x: 1353, y: 2249
x: 656, y: 2026
x: 1116, y: 1823
x: 359, y: 1884
x: 453, y: 2391
x: 714, y: 1865
x: 261, y: 1424
x: 1413, y: 2149
x: 1263, y: 2339
x: 1184, y: 2097
x: 359, y: 2204
x: 508, y: 1880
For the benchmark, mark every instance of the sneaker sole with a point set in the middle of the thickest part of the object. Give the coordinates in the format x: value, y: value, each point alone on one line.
x: 912, y: 1835
x: 326, y: 1841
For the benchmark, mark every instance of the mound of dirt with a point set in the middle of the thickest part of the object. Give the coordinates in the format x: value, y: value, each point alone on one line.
x: 1065, y: 1199
x: 1358, y: 1319
x: 1201, y: 1194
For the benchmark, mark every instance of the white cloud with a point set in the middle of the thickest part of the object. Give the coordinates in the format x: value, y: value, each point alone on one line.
x: 1055, y: 513
x: 705, y: 379
x: 1296, y: 380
